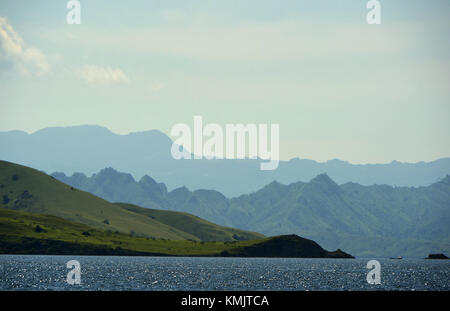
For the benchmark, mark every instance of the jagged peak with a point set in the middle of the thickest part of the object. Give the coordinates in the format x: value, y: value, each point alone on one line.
x: 273, y: 185
x: 210, y: 193
x: 182, y: 189
x: 322, y: 178
x: 78, y: 175
x: 325, y: 183
x: 108, y: 170
x: 147, y: 180
x: 111, y: 172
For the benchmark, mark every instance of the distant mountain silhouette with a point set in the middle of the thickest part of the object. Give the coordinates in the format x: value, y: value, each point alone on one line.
x: 376, y: 220
x: 88, y: 149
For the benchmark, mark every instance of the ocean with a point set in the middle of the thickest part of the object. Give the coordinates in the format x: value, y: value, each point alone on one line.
x: 31, y: 272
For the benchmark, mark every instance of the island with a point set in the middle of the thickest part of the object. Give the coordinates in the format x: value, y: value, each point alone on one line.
x: 437, y: 256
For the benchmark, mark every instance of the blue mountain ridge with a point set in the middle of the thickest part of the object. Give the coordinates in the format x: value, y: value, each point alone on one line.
x: 90, y: 148
x: 377, y: 220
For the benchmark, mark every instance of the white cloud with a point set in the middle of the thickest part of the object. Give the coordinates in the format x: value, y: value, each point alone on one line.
x: 102, y: 75
x: 13, y: 51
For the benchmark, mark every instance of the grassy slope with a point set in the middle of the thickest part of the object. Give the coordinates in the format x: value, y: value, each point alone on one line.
x: 26, y: 189
x: 203, y: 229
x: 19, y: 234
x: 15, y: 226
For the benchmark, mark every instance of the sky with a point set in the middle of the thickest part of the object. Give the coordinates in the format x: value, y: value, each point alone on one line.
x: 337, y: 86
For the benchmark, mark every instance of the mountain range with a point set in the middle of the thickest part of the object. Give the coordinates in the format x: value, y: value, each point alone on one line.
x: 376, y: 220
x: 88, y: 149
x: 41, y: 215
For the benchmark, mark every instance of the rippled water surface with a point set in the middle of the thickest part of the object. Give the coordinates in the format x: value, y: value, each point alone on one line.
x: 169, y: 273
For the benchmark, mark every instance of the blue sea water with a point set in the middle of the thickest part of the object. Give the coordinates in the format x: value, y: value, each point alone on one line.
x: 29, y: 272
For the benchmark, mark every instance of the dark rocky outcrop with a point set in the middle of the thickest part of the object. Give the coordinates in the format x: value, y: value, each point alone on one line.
x: 287, y: 246
x: 437, y: 256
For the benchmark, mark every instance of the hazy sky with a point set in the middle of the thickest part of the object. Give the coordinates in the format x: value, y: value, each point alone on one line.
x: 338, y: 87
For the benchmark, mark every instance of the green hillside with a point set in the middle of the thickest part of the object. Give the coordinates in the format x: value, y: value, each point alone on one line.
x: 28, y: 190
x: 28, y: 233
x: 202, y: 229
x: 25, y: 233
